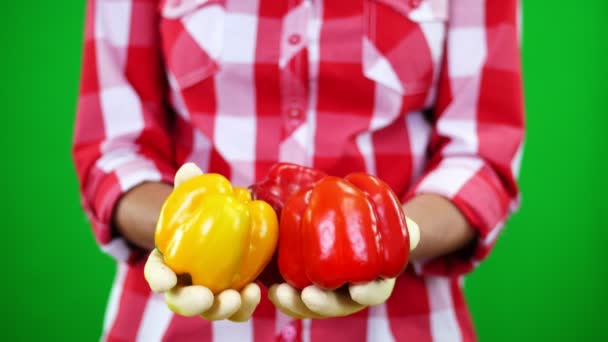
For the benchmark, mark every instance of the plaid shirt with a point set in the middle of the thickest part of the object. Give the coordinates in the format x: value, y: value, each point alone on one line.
x: 426, y: 94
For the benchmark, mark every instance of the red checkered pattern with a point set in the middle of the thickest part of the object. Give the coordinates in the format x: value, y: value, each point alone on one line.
x: 426, y: 94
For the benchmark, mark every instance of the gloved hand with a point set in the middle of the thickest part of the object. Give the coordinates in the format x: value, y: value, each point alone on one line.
x: 335, y: 232
x: 316, y: 302
x: 216, y: 250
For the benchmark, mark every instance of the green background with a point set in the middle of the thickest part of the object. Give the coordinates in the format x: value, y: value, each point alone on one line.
x: 545, y: 281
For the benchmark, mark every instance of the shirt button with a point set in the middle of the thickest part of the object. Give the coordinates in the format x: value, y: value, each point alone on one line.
x: 294, y: 39
x: 294, y: 113
x: 289, y: 333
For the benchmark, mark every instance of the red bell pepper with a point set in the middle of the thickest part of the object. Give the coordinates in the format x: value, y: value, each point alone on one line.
x: 282, y: 181
x: 349, y: 230
x: 334, y: 231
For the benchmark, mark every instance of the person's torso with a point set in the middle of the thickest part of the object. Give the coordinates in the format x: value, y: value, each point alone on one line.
x: 338, y: 85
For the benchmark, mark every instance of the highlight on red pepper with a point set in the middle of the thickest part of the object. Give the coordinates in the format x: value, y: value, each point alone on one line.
x: 350, y: 230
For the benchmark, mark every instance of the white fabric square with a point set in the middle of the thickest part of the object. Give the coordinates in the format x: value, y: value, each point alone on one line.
x: 239, y: 38
x: 450, y: 176
x: 115, y: 156
x: 378, y: 328
x: 466, y: 51
x: 112, y: 20
x: 313, y: 35
x: 293, y: 149
x: 137, y: 172
x: 435, y: 36
x: 387, y: 106
x: 463, y: 135
x: 444, y: 326
x: 235, y: 86
x: 155, y: 321
x: 206, y: 26
x: 306, y: 329
x: 122, y: 113
x: 366, y: 148
x: 225, y: 330
x: 235, y: 137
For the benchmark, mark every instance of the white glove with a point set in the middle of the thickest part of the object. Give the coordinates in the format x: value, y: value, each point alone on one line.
x: 190, y: 300
x: 314, y: 302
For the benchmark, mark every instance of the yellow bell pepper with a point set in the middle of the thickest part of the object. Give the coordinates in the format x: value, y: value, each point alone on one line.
x: 216, y: 233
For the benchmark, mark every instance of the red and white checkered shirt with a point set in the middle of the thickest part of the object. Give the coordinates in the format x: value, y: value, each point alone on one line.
x: 426, y: 94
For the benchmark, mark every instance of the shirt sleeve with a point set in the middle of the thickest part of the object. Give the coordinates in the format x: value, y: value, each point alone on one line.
x: 121, y: 136
x: 478, y: 127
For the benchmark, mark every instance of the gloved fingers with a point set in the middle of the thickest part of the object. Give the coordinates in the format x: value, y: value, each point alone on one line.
x: 250, y: 298
x: 225, y: 305
x: 414, y: 232
x: 186, y: 172
x: 329, y: 303
x: 289, y: 301
x: 373, y: 293
x: 189, y: 300
x: 158, y: 275
x: 272, y: 295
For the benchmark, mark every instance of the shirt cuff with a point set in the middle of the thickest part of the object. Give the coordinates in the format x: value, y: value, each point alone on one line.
x: 106, y: 187
x: 475, y: 189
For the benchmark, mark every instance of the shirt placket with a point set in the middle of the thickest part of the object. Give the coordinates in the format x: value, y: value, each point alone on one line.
x: 293, y: 65
x: 294, y: 90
